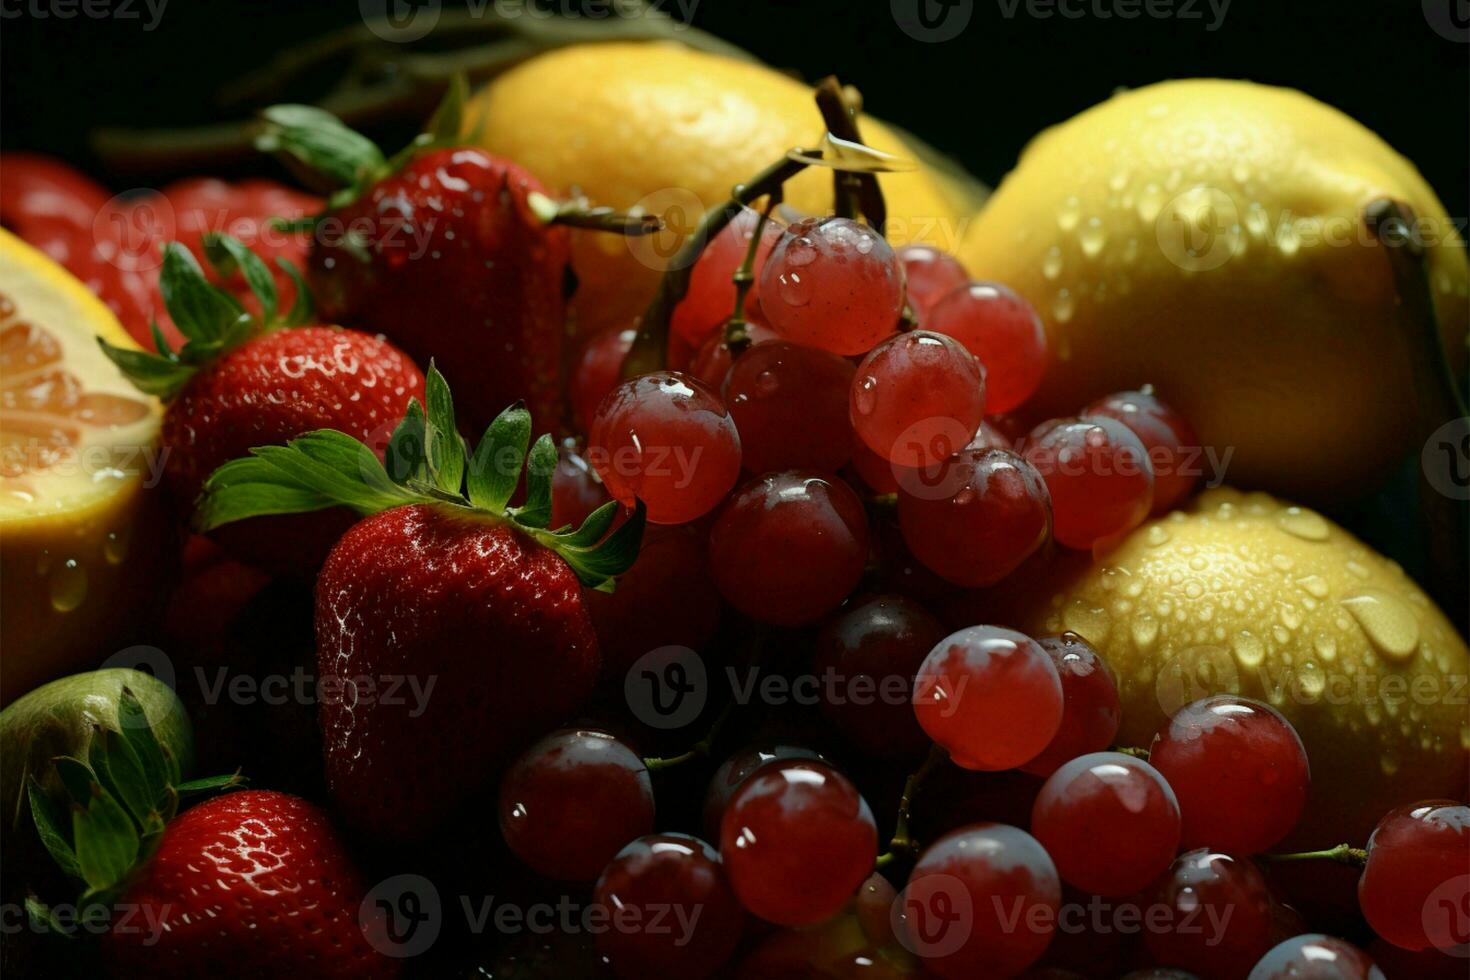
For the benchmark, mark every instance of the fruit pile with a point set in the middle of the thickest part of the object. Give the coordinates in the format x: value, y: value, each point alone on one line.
x: 799, y: 467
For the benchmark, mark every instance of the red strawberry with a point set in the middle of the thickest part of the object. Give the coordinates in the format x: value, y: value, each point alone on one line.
x: 249, y: 884
x: 445, y: 256
x: 240, y: 383
x: 471, y: 609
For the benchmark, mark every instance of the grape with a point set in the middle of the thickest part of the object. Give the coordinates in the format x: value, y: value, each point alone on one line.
x: 988, y: 436
x: 929, y: 274
x: 1217, y: 916
x: 990, y: 696
x: 797, y: 839
x: 575, y: 489
x: 1315, y: 957
x: 1091, y: 712
x: 572, y: 800
x: 1239, y: 770
x: 871, y: 651
x: 712, y: 361
x: 1170, y: 440
x: 876, y: 473
x: 874, y: 909
x: 1109, y: 821
x: 669, y: 909
x: 599, y: 368
x: 917, y: 398
x: 982, y: 901
x: 667, y: 440
x: 1099, y: 477
x: 1003, y: 332
x: 976, y: 516
x: 788, y: 547
x: 666, y: 599
x: 790, y: 405
x: 735, y: 770
x: 711, y: 297
x: 1415, y: 891
x: 832, y: 283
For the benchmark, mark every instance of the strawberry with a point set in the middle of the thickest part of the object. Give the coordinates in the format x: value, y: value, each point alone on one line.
x: 443, y: 251
x: 241, y: 382
x: 471, y: 608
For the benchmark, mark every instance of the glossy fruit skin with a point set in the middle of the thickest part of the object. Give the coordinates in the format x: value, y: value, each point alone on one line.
x: 1109, y: 821
x: 1099, y: 476
x: 796, y: 840
x: 668, y: 440
x: 1220, y: 922
x: 1003, y: 332
x: 735, y: 770
x: 975, y: 517
x: 872, y: 650
x: 1005, y: 878
x: 789, y: 404
x: 712, y: 361
x: 572, y: 800
x: 269, y: 390
x: 460, y: 270
x: 1414, y: 889
x: 1171, y: 442
x: 917, y: 398
x: 929, y: 274
x: 1239, y: 770
x: 990, y: 696
x: 832, y: 283
x: 711, y: 297
x: 576, y: 489
x: 788, y: 547
x: 1315, y: 957
x: 658, y: 877
x: 251, y: 884
x: 1091, y: 711
x: 598, y: 370
x: 402, y: 594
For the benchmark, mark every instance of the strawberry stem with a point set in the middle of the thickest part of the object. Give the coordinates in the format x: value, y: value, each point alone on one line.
x: 579, y: 214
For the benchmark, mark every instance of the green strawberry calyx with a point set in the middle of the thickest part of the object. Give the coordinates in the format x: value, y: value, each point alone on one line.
x: 426, y: 462
x: 212, y: 321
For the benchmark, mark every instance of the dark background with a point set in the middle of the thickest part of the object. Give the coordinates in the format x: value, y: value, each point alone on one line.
x: 979, y: 96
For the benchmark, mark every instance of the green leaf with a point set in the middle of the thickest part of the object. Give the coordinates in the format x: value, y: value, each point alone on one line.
x: 302, y: 307
x: 76, y: 777
x: 251, y: 487
x: 597, y: 565
x: 357, y: 481
x: 49, y: 827
x: 444, y: 125
x: 121, y: 774
x: 540, y: 467
x: 160, y: 342
x: 106, y: 841
x: 322, y: 142
x: 201, y: 312
x: 227, y: 254
x: 442, y: 445
x: 593, y: 527
x: 496, y: 467
x: 210, y: 784
x: 404, y: 458
x: 138, y: 732
x: 44, y: 920
x: 149, y: 373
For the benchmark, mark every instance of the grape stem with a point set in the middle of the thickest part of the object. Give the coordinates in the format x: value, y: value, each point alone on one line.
x: 737, y: 337
x: 1137, y: 753
x: 902, y: 842
x: 851, y: 192
x: 700, y: 749
x: 1353, y: 857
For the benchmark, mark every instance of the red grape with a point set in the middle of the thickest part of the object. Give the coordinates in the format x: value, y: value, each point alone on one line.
x: 790, y: 405
x: 1091, y: 712
x: 712, y: 361
x: 711, y: 297
x: 572, y: 800
x: 1170, y: 440
x: 990, y: 696
x: 669, y: 909
x: 988, y: 436
x: 788, y: 547
x: 575, y: 489
x: 1315, y: 957
x: 1415, y: 891
x: 876, y: 473
x: 1109, y: 821
x: 599, y: 368
x: 874, y: 909
x: 918, y: 398
x: 976, y: 516
x: 1003, y: 332
x: 832, y: 283
x: 797, y: 840
x: 665, y: 439
x: 735, y: 770
x: 1099, y: 477
x: 866, y: 660
x: 981, y: 902
x: 1216, y: 919
x: 1239, y: 770
x: 929, y: 274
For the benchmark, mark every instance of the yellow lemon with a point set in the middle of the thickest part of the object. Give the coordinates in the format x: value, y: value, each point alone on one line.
x: 81, y: 537
x: 1244, y: 594
x: 1206, y: 236
x: 672, y: 129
